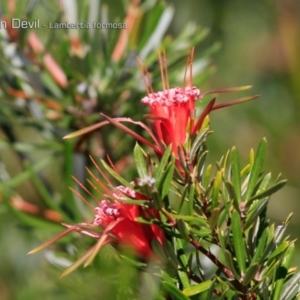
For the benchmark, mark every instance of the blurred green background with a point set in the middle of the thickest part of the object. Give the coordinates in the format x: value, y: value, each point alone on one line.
x: 259, y: 45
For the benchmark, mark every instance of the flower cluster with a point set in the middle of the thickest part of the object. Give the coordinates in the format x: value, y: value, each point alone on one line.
x: 137, y: 223
x: 128, y: 231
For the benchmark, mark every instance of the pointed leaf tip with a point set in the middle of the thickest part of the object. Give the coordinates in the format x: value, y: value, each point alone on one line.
x: 77, y: 263
x: 85, y: 130
x: 52, y: 240
x: 236, y: 101
x: 229, y: 90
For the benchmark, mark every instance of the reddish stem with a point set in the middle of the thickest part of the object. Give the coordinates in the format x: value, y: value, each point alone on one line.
x: 222, y: 267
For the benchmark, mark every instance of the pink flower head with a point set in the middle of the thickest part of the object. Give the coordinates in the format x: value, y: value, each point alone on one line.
x: 128, y: 230
x: 172, y: 108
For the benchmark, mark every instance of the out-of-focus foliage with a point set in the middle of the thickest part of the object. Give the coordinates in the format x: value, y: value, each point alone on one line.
x: 259, y: 47
x: 54, y: 81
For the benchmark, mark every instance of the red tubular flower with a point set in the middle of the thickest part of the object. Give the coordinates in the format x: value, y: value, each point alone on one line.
x: 128, y: 231
x: 172, y: 108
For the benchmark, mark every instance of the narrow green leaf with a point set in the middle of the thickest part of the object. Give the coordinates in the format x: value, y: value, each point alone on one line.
x: 250, y: 273
x: 262, y: 187
x: 255, y: 210
x: 168, y: 178
x: 238, y: 241
x: 184, y: 278
x: 140, y: 202
x: 158, y: 250
x: 226, y: 287
x: 225, y: 162
x: 256, y: 167
x: 197, y: 264
x: 236, y: 173
x: 191, y: 198
x: 283, y: 270
x: 269, y: 270
x: 191, y: 219
x: 216, y: 190
x: 231, y: 192
x: 213, y: 220
x: 290, y: 287
x: 203, y: 232
x: 268, y: 192
x: 143, y: 220
x: 210, y: 293
x: 159, y: 171
x: 264, y: 183
x: 221, y: 238
x: 230, y: 264
x: 200, y: 165
x: 261, y: 247
x: 169, y: 251
x: 281, y: 248
x: 183, y: 230
x: 181, y: 252
x: 115, y: 175
x: 271, y: 242
x: 157, y: 200
x: 280, y: 230
x: 182, y: 272
x: 265, y: 290
x: 251, y: 158
x: 78, y: 262
x: 245, y: 170
x: 224, y: 214
x: 253, y: 235
x: 198, y: 143
x: 198, y: 288
x: 140, y: 161
x: 206, y: 177
x: 173, y: 291
x: 181, y: 208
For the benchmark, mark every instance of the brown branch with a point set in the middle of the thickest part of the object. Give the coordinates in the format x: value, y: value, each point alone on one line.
x: 222, y: 267
x: 213, y: 258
